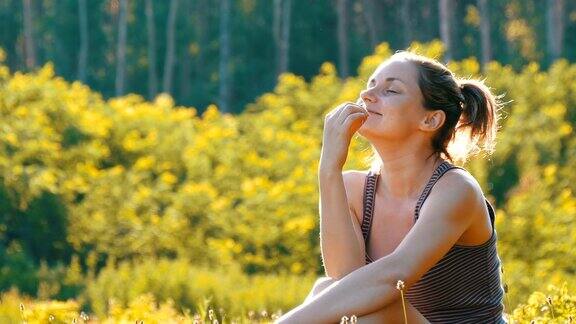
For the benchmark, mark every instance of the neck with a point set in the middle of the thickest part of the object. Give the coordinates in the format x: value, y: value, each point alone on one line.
x: 405, y: 170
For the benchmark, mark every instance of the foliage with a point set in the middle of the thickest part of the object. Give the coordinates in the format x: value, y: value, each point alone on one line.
x: 188, y: 285
x: 160, y: 290
x: 17, y: 308
x: 518, y: 36
x: 94, y: 191
x: 554, y: 306
x: 557, y: 305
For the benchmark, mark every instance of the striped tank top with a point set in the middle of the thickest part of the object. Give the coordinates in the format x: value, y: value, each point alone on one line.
x: 465, y: 285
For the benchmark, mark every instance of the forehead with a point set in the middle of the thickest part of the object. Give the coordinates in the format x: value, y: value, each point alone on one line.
x: 399, y: 69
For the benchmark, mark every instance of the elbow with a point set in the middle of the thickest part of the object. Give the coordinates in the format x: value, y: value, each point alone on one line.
x: 391, y: 272
x: 344, y: 270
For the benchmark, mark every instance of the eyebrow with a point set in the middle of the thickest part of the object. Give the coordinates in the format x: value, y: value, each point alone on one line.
x: 388, y: 79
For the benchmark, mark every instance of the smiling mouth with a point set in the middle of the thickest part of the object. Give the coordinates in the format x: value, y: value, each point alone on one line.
x: 374, y: 112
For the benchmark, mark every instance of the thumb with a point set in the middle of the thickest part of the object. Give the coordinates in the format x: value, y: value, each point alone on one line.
x: 357, y: 123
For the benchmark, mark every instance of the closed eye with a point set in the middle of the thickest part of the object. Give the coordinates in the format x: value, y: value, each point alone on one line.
x: 392, y: 91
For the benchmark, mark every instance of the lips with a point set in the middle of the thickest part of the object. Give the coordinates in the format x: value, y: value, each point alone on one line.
x: 371, y: 111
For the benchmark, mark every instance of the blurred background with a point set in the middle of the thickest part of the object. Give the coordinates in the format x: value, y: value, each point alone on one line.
x: 230, y: 52
x: 157, y: 156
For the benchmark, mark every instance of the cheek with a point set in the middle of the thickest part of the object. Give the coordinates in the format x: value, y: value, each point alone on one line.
x: 400, y: 117
x: 390, y: 123
x: 401, y: 121
x: 406, y: 112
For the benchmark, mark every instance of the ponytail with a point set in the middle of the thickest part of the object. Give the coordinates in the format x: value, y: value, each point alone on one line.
x: 479, y: 114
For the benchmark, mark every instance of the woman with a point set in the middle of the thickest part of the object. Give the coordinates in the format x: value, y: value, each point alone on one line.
x: 413, y: 216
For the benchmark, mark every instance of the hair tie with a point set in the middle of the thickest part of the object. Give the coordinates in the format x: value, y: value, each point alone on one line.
x: 461, y: 94
x: 461, y: 97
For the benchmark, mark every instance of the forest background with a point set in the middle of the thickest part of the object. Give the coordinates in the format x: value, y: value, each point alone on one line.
x: 167, y: 150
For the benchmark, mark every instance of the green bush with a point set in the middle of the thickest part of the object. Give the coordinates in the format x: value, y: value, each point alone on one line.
x: 187, y: 285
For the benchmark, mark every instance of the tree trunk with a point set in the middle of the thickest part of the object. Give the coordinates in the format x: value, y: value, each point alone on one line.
x: 281, y: 33
x: 169, y: 59
x: 368, y: 11
x: 152, y: 71
x: 184, y: 77
x: 83, y: 55
x: 285, y: 44
x: 485, y: 38
x: 555, y: 28
x: 445, y: 7
x: 343, y: 37
x: 121, y: 49
x: 276, y: 27
x: 406, y: 22
x: 30, y: 50
x: 185, y: 61
x: 224, y: 91
x: 201, y: 29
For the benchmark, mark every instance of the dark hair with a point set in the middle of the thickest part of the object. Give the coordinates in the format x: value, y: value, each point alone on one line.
x: 471, y: 109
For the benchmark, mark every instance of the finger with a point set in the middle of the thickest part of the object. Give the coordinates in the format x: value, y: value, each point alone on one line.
x: 348, y: 109
x: 352, y: 117
x: 350, y: 106
x: 336, y: 111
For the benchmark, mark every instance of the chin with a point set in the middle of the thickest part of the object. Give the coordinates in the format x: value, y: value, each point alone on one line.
x: 364, y: 132
x: 369, y: 134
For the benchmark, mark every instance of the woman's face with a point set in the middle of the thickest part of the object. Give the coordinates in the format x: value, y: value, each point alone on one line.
x: 393, y: 100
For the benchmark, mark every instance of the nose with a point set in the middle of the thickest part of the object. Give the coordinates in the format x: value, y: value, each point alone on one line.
x: 367, y: 96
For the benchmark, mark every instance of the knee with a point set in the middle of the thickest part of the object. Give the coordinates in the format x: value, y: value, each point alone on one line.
x: 321, y: 284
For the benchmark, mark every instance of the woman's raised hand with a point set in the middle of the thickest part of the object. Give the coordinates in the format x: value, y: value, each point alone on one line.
x: 339, y: 126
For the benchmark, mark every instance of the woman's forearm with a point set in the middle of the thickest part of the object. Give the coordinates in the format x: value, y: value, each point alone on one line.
x: 362, y: 292
x: 342, y: 253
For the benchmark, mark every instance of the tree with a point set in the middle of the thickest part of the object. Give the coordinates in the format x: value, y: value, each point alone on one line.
x: 121, y: 49
x: 151, y: 28
x: 84, y: 45
x: 406, y: 22
x: 29, y: 41
x: 555, y: 28
x: 343, y: 37
x: 169, y: 59
x: 281, y: 32
x: 200, y: 52
x: 485, y: 39
x: 368, y: 11
x: 186, y: 38
x: 224, y: 92
x: 445, y: 7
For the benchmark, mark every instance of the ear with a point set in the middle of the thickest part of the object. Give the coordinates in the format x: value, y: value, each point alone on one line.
x: 433, y: 120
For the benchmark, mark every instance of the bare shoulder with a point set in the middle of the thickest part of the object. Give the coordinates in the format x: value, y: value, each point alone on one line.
x: 354, y: 184
x: 458, y: 187
x: 460, y: 180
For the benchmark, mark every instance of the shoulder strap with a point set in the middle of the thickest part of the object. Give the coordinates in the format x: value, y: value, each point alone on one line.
x: 368, y: 205
x: 439, y: 172
x: 491, y: 211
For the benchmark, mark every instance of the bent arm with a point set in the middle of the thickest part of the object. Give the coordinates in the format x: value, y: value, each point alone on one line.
x: 364, y: 291
x: 342, y: 248
x: 444, y: 218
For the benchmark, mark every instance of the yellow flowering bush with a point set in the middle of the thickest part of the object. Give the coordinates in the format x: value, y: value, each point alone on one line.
x: 126, y: 179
